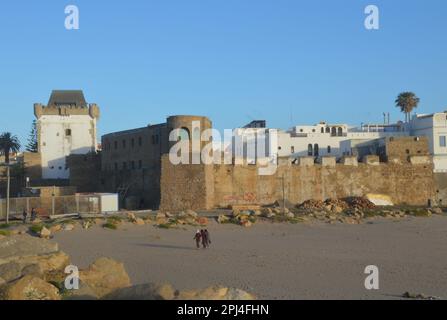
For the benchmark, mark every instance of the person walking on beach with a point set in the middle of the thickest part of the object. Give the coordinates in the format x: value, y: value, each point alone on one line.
x: 198, y: 237
x: 25, y: 215
x: 204, y: 239
x: 33, y: 214
x: 207, y: 236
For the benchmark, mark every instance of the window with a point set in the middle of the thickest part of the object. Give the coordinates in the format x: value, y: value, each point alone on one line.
x: 310, y: 150
x: 155, y: 139
x: 292, y: 149
x: 132, y: 165
x: 140, y: 164
x: 124, y: 144
x: 68, y: 132
x: 329, y: 149
x: 322, y: 130
x: 334, y: 131
x: 340, y: 132
x: 132, y: 142
x: 140, y: 141
x: 443, y: 141
x: 116, y: 166
x: 124, y: 165
x: 328, y: 130
x: 116, y: 145
x: 316, y: 150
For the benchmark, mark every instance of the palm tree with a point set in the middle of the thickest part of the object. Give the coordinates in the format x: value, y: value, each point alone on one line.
x: 8, y: 144
x: 407, y: 101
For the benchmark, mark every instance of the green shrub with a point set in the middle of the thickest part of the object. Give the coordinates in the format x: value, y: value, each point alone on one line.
x: 5, y: 233
x: 109, y: 225
x: 4, y: 226
x: 36, y: 228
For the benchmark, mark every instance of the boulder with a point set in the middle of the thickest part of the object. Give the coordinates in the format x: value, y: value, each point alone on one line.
x: 45, y: 233
x: 131, y: 216
x: 86, y: 224
x: 222, y: 218
x: 105, y: 276
x: 202, y: 221
x: 215, y: 293
x: 160, y: 215
x: 30, y: 288
x: 139, y: 222
x: 246, y: 224
x: 68, y: 227
x: 191, y: 213
x: 56, y: 228
x: 143, y: 292
x: 436, y: 211
x: 17, y: 247
x: 290, y: 215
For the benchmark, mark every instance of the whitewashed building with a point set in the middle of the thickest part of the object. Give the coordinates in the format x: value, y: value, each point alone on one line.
x: 434, y: 126
x: 65, y: 126
x: 325, y: 139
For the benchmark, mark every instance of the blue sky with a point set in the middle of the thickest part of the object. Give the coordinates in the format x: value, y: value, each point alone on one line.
x: 286, y: 61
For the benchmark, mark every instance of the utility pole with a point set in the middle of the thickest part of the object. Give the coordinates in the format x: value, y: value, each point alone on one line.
x: 7, y: 192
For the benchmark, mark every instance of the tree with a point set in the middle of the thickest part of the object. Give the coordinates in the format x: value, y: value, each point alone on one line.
x: 32, y: 138
x: 407, y: 101
x: 8, y: 144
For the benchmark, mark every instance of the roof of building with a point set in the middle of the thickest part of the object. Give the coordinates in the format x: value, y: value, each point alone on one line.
x: 67, y: 97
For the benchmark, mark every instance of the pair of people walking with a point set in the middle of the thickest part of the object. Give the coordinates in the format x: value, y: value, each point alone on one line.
x: 202, y: 236
x: 25, y: 215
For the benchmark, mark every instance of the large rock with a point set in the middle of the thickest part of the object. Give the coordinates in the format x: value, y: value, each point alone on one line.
x: 215, y: 293
x: 167, y: 292
x: 143, y: 292
x: 69, y: 227
x: 15, y: 247
x: 45, y: 233
x: 191, y: 213
x: 105, y: 276
x: 29, y: 288
x: 139, y: 222
x: 222, y: 219
x: 56, y: 228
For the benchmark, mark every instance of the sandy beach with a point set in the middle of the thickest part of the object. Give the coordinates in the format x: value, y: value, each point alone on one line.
x: 279, y: 261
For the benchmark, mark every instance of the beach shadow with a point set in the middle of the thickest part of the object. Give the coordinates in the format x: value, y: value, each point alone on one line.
x: 165, y: 246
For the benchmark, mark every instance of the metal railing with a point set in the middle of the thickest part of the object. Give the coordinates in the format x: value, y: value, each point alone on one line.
x: 49, y: 206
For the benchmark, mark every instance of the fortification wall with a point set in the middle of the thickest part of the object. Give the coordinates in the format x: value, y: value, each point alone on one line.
x: 186, y: 187
x: 205, y: 187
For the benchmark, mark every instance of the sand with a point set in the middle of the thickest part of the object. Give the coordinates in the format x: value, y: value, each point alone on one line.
x: 279, y: 261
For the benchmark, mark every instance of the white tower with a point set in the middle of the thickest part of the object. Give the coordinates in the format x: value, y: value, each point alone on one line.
x: 67, y: 125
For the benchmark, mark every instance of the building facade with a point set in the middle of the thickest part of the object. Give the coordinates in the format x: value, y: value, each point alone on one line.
x: 65, y: 126
x: 433, y: 126
x: 131, y: 159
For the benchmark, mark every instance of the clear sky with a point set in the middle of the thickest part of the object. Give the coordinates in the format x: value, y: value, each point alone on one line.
x: 286, y: 61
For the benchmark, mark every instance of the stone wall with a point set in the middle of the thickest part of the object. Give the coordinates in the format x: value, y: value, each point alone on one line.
x: 193, y: 186
x: 85, y: 172
x: 186, y: 187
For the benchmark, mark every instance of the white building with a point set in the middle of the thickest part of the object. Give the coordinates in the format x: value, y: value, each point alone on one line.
x: 337, y: 140
x: 67, y: 125
x: 434, y: 126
